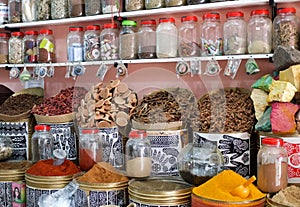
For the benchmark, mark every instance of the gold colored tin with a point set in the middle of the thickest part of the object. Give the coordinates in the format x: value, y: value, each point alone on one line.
x: 47, y: 182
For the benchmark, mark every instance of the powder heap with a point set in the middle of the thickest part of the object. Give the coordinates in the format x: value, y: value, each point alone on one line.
x: 289, y: 196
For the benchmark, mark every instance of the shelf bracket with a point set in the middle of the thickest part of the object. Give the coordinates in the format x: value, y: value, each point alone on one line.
x: 274, y: 8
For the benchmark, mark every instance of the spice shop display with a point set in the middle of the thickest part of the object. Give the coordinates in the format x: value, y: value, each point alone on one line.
x: 127, y: 40
x: 133, y: 5
x: 4, y: 38
x: 76, y: 8
x: 170, y: 3
x: 43, y: 9
x: 15, y: 48
x: 29, y: 11
x: 75, y: 44
x: 3, y: 12
x: 111, y: 6
x: 109, y: 42
x: 59, y: 9
x: 92, y: 7
x: 46, y: 46
x: 14, y: 11
x: 30, y: 49
x: 146, y: 39
x: 288, y: 196
x: 92, y: 43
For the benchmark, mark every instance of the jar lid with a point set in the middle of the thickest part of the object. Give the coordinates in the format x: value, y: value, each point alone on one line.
x: 148, y: 22
x: 89, y: 131
x: 31, y: 32
x: 129, y: 23
x: 93, y: 27
x: 211, y: 15
x: 171, y: 19
x: 17, y: 34
x: 76, y: 28
x: 234, y: 14
x: 46, y: 31
x: 272, y: 141
x: 137, y: 134
x: 4, y: 34
x: 42, y: 127
x: 286, y: 10
x: 260, y: 12
x: 110, y: 25
x: 189, y: 18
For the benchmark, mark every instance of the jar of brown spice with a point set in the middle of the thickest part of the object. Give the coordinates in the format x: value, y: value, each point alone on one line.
x: 46, y: 46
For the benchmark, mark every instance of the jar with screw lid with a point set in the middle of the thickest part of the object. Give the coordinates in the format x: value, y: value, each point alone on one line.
x: 134, y: 5
x: 286, y: 28
x: 14, y: 11
x: 76, y: 8
x: 92, y: 7
x: 189, y: 37
x: 127, y: 38
x: 43, y: 10
x: 109, y: 42
x: 3, y: 11
x: 138, y: 155
x: 4, y: 38
x: 170, y: 3
x: 146, y: 36
x: 29, y: 10
x: 30, y: 49
x: 46, y: 46
x: 75, y: 44
x: 259, y: 31
x: 272, y: 165
x: 59, y: 9
x: 154, y: 4
x: 192, y: 2
x: 235, y: 33
x: 111, y: 6
x: 15, y: 48
x: 91, y: 40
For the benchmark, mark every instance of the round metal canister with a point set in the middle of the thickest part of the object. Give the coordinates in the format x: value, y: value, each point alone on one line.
x: 160, y: 191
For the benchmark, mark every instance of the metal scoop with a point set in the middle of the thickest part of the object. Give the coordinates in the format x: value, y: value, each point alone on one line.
x: 243, y: 191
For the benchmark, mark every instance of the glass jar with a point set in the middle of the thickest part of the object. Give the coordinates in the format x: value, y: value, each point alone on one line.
x: 133, y: 5
x: 46, y: 46
x: 30, y: 49
x: 198, y: 162
x: 29, y: 10
x: 138, y: 155
x: 259, y: 30
x: 91, y: 40
x: 235, y: 33
x: 127, y: 38
x: 15, y: 48
x: 6, y: 147
x: 3, y: 11
x: 4, y: 38
x: 170, y: 3
x: 92, y: 7
x: 189, y: 37
x: 59, y: 9
x: 43, y: 9
x: 90, y: 148
x: 109, y: 42
x: 76, y: 8
x: 272, y: 165
x: 14, y: 11
x: 166, y: 38
x: 111, y: 6
x: 154, y: 4
x: 147, y: 39
x: 192, y: 2
x: 286, y: 28
x: 75, y: 44
x: 41, y: 143
x: 211, y: 35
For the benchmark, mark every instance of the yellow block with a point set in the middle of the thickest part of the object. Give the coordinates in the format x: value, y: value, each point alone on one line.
x: 281, y: 91
x: 292, y: 75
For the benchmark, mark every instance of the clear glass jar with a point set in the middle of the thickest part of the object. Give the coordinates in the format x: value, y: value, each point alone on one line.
x: 134, y: 5
x: 286, y: 28
x: 46, y: 46
x: 59, y: 9
x: 147, y: 39
x: 15, y: 48
x: 30, y: 50
x: 189, y: 37
x: 138, y: 155
x: 166, y: 38
x: 111, y: 6
x: 170, y: 3
x: 41, y: 143
x: 211, y: 35
x: 259, y: 30
x: 109, y: 42
x: 90, y: 148
x: 272, y: 165
x: 29, y: 10
x: 127, y: 38
x: 4, y: 38
x: 43, y: 9
x: 91, y: 40
x: 6, y: 147
x: 154, y: 4
x: 14, y: 11
x: 235, y: 33
x: 192, y: 2
x: 76, y: 8
x: 92, y: 7
x: 3, y: 11
x: 75, y: 44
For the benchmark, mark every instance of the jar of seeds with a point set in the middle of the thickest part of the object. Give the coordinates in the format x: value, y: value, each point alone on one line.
x: 111, y: 6
x: 15, y: 48
x: 29, y: 11
x: 128, y: 46
x: 109, y: 42
x: 30, y: 46
x: 154, y: 4
x: 192, y: 2
x: 75, y: 44
x: 43, y: 9
x: 286, y: 28
x: 92, y: 7
x: 92, y: 43
x: 76, y: 8
x: 147, y: 39
x: 3, y: 11
x: 4, y: 38
x: 14, y: 11
x: 59, y: 9
x: 170, y: 3
x: 46, y: 46
x: 133, y: 5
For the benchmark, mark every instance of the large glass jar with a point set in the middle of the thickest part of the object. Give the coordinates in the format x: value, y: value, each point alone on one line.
x: 133, y: 5
x: 272, y: 165
x: 92, y: 7
x: 4, y: 38
x: 170, y: 3
x: 14, y: 11
x: 127, y: 38
x: 29, y: 10
x: 166, y: 38
x: 235, y: 33
x: 46, y: 46
x: 76, y: 8
x: 189, y: 37
x: 30, y: 48
x: 211, y: 35
x: 147, y: 39
x: 15, y: 48
x: 59, y: 9
x: 3, y: 11
x: 259, y: 30
x: 191, y: 2
x: 75, y: 44
x: 109, y: 42
x: 91, y: 40
x: 138, y: 155
x: 111, y: 6
x: 154, y: 4
x: 43, y: 9
x: 286, y: 28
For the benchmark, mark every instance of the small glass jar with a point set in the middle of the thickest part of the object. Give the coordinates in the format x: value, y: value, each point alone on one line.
x: 111, y: 6
x: 4, y: 38
x: 192, y: 2
x: 92, y: 7
x: 43, y: 10
x: 109, y: 42
x: 211, y: 35
x: 59, y: 9
x: 46, y: 46
x: 14, y: 11
x: 75, y: 44
x: 166, y: 38
x: 6, y: 147
x: 127, y: 38
x: 286, y: 28
x: 138, y: 155
x: 3, y: 11
x: 30, y: 50
x: 90, y: 148
x: 170, y: 3
x: 189, y: 37
x: 134, y: 5
x: 259, y: 30
x: 76, y: 8
x: 147, y: 39
x: 91, y: 39
x: 272, y: 165
x: 154, y: 4
x: 235, y: 33
x: 41, y: 143
x: 29, y: 10
x: 15, y: 48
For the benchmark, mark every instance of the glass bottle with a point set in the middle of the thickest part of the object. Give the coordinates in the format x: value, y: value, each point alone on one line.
x: 92, y: 7
x: 272, y: 165
x: 211, y: 35
x: 46, y: 46
x: 111, y: 6
x: 166, y: 38
x: 29, y: 10
x: 92, y: 43
x: 127, y: 38
x: 4, y: 38
x: 59, y: 9
x: 259, y: 30
x: 189, y: 37
x: 90, y: 148
x: 138, y: 155
x: 15, y: 48
x: 286, y: 28
x: 146, y: 36
x: 43, y: 10
x: 3, y: 11
x: 170, y: 3
x: 235, y: 33
x: 30, y: 49
x: 41, y: 143
x: 76, y: 8
x: 133, y: 5
x: 109, y: 42
x: 14, y: 11
x: 75, y: 44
